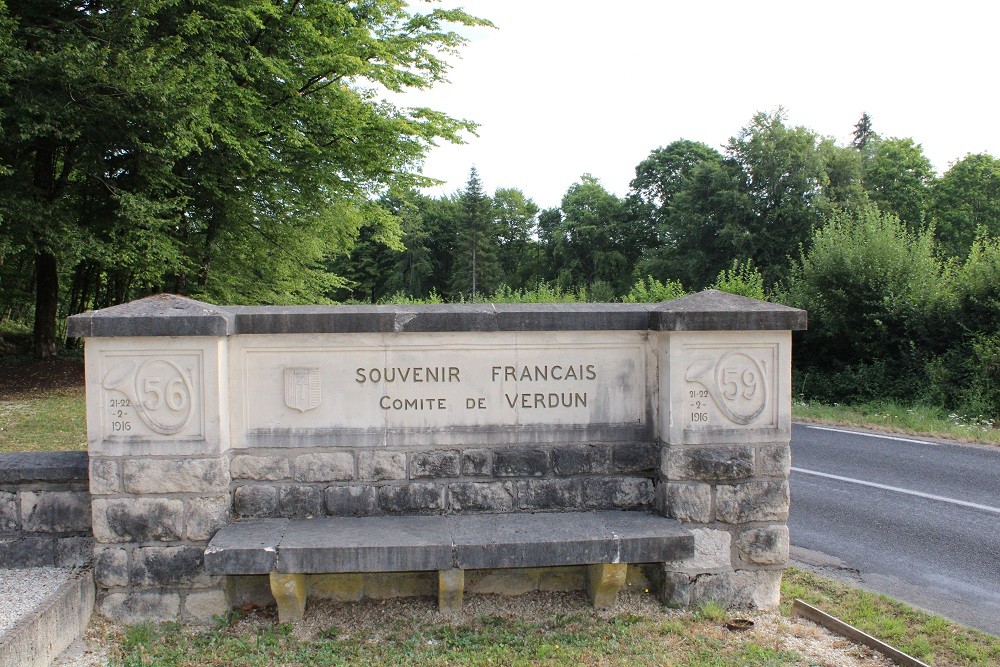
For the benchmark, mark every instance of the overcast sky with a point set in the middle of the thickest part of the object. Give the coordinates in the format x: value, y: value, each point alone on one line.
x: 567, y: 87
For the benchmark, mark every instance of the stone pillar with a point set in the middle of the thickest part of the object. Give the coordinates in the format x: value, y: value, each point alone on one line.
x: 725, y: 426
x: 159, y: 459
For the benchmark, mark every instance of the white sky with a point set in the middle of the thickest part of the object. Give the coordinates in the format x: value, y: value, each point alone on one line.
x: 566, y: 87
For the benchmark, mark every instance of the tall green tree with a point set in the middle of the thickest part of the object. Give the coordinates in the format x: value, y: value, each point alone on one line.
x: 864, y: 133
x: 664, y: 184
x: 590, y: 244
x: 476, y: 269
x: 516, y: 218
x: 898, y: 178
x: 965, y: 202
x: 667, y: 171
x: 414, y: 266
x: 441, y: 218
x: 759, y: 202
x: 222, y: 149
x: 783, y: 177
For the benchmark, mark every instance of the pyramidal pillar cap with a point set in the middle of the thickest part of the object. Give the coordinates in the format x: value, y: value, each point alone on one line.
x: 157, y: 315
x: 712, y: 310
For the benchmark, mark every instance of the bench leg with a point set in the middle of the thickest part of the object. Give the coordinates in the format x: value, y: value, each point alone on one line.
x: 289, y: 591
x: 604, y: 580
x: 451, y: 589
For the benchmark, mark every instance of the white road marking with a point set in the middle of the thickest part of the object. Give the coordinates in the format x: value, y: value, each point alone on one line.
x: 909, y: 492
x: 872, y: 435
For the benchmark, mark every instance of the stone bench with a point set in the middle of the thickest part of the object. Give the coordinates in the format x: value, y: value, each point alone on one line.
x: 289, y: 549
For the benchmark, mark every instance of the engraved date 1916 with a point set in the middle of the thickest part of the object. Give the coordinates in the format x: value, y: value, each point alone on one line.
x: 119, y: 418
x: 698, y: 406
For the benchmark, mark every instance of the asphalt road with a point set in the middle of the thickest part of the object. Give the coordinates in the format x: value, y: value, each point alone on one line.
x: 912, y: 518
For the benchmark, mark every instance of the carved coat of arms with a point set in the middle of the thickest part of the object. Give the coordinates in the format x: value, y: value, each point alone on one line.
x: 302, y: 388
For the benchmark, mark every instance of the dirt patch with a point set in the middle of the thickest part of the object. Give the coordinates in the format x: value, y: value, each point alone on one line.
x: 31, y: 376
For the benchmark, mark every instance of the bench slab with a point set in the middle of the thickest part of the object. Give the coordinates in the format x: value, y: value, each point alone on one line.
x: 444, y: 542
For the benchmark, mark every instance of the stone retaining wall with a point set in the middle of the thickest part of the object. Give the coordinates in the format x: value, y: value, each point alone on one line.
x: 199, y: 415
x: 45, y: 513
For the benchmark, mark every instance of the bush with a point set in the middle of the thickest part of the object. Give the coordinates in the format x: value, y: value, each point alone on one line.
x: 982, y: 393
x: 651, y: 290
x: 744, y: 279
x: 541, y: 293
x: 881, y: 307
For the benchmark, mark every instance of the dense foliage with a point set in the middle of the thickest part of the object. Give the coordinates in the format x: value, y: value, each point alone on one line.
x: 225, y: 149
x: 244, y: 151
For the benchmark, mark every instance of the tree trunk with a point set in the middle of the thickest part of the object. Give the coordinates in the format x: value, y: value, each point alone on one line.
x: 46, y: 302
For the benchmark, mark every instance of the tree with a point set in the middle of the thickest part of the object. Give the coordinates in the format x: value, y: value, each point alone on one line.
x: 222, y: 149
x: 74, y: 110
x: 863, y: 133
x: 783, y: 176
x: 592, y: 237
x: 441, y: 221
x: 516, y: 222
x: 663, y: 184
x: 845, y: 170
x: 965, y: 203
x: 667, y: 171
x: 414, y: 266
x: 880, y: 305
x: 475, y: 269
x: 761, y: 201
x: 898, y: 178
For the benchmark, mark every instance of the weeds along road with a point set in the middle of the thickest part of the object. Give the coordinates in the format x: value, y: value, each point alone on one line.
x: 916, y: 519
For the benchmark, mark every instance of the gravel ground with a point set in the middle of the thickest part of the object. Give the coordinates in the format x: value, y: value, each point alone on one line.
x: 21, y: 591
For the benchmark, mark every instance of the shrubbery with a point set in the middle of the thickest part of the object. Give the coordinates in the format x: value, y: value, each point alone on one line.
x: 891, y: 318
x: 651, y: 290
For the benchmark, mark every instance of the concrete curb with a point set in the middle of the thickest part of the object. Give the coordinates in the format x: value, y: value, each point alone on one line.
x: 39, y: 638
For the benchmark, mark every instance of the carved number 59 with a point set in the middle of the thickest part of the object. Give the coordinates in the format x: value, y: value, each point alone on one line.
x: 735, y: 383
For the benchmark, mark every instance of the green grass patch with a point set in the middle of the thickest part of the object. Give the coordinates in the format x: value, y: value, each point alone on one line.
x: 585, y: 638
x: 930, y: 638
x: 52, y: 421
x: 896, y: 417
x: 392, y: 633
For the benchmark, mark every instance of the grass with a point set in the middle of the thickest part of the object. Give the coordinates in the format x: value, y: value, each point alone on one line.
x: 659, y: 637
x: 899, y: 418
x: 52, y: 421
x: 560, y: 639
x: 929, y: 638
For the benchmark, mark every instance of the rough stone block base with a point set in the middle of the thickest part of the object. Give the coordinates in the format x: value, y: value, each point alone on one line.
x: 140, y: 606
x: 742, y: 589
x: 204, y: 606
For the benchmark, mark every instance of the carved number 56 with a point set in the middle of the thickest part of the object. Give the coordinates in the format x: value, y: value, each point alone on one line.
x: 155, y: 391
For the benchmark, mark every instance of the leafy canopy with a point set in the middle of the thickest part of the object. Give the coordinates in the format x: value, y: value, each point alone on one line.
x: 224, y: 149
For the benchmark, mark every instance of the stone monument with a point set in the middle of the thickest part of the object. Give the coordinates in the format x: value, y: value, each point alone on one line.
x: 200, y: 416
